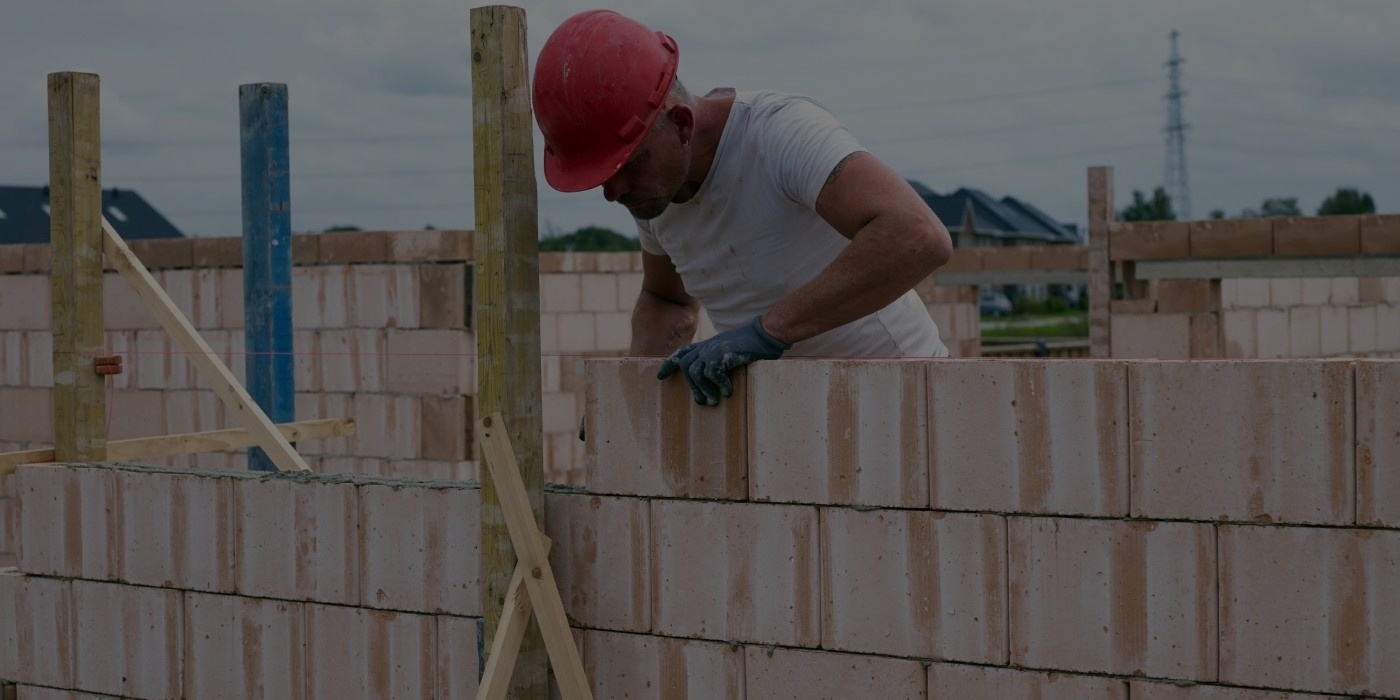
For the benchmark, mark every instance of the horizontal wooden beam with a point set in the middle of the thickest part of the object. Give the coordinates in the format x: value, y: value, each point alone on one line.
x: 1233, y: 268
x: 191, y: 443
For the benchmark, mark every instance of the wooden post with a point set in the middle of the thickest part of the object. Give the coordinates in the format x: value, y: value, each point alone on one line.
x: 267, y: 255
x: 75, y: 230
x: 1100, y: 267
x: 507, y: 301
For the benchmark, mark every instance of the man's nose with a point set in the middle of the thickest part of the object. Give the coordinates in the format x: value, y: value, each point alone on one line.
x: 613, y: 188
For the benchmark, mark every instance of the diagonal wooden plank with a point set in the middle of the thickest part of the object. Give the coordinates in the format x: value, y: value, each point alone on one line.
x: 515, y: 621
x: 224, y: 383
x: 533, y: 558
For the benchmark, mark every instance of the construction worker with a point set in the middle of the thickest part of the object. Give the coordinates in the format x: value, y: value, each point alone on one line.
x: 759, y: 207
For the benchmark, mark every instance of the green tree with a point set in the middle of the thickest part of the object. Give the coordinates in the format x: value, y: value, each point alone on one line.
x: 1159, y: 208
x: 1347, y: 200
x: 588, y: 239
x: 342, y: 227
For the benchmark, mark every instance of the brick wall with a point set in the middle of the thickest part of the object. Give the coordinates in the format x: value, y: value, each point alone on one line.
x: 979, y: 529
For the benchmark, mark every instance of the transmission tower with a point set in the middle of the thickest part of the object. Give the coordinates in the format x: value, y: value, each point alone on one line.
x: 1175, y: 173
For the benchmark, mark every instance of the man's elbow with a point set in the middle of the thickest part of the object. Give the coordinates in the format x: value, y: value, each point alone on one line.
x: 936, y: 247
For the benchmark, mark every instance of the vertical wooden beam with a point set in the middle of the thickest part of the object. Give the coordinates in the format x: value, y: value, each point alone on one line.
x: 75, y: 230
x: 507, y: 301
x: 267, y: 255
x: 1100, y: 267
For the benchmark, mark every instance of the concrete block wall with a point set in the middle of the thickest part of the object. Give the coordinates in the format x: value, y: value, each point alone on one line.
x: 1017, y: 528
x: 1311, y: 317
x: 145, y: 582
x: 972, y: 529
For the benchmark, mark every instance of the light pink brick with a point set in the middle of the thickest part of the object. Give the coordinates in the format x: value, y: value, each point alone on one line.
x: 240, y: 647
x: 122, y: 308
x: 561, y: 293
x: 230, y: 286
x: 207, y: 311
x: 990, y: 683
x: 559, y: 412
x: 458, y: 660
x: 38, y: 630
x: 1285, y: 292
x: 123, y: 344
x: 176, y: 530
x: 296, y: 539
x: 153, y: 360
x: 355, y: 653
x: 577, y: 333
x: 598, y: 292
x: 940, y: 580
x: 307, y: 360
x: 613, y: 331
x: 130, y: 640
x: 12, y: 359
x: 1272, y: 336
x: 1317, y: 291
x: 648, y: 437
x: 26, y: 415
x: 1388, y: 328
x: 1310, y: 609
x: 38, y: 345
x: 849, y: 432
x: 549, y: 334
x: 1378, y: 443
x: 1147, y: 690
x: 1266, y: 441
x: 1252, y: 293
x: 386, y: 425
x: 25, y: 303
x: 773, y: 674
x: 1336, y: 333
x: 353, y: 360
x: 431, y: 361
x: 601, y: 559
x: 179, y: 286
x: 1052, y: 436
x: 1361, y: 322
x: 420, y: 548
x: 1346, y: 290
x: 1304, y: 331
x: 372, y: 295
x: 69, y: 521
x: 629, y: 287
x: 322, y: 300
x: 1162, y: 336
x: 1239, y: 331
x: 1132, y: 598
x: 738, y: 571
x: 643, y: 666
x: 189, y: 411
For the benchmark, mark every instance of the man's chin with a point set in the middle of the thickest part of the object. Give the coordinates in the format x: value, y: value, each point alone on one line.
x: 646, y: 211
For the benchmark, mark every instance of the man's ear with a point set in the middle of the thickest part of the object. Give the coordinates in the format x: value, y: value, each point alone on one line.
x: 683, y: 117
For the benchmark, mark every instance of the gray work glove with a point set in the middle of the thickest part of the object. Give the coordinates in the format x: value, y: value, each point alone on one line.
x: 706, y: 364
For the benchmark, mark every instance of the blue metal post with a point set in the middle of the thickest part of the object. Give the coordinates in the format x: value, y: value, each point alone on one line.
x: 267, y: 254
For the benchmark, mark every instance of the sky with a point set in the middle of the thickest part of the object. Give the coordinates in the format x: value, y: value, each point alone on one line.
x: 1284, y: 98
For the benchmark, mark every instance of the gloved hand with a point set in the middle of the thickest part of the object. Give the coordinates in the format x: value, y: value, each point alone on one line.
x: 706, y: 364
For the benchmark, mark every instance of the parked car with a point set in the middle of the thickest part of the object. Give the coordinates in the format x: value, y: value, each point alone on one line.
x: 993, y: 303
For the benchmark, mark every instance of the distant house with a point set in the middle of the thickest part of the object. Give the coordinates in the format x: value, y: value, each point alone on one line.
x: 24, y: 215
x: 975, y: 218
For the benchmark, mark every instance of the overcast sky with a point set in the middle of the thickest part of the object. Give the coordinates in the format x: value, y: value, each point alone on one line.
x: 1286, y: 98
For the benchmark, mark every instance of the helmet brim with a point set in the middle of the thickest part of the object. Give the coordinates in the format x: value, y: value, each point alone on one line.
x: 581, y: 177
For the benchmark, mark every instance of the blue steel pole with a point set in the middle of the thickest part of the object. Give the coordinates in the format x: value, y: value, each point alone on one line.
x: 267, y: 254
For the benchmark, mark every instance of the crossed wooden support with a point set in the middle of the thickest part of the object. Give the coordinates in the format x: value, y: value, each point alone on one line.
x: 532, y: 587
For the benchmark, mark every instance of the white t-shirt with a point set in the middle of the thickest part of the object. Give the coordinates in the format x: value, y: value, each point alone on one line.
x: 752, y: 235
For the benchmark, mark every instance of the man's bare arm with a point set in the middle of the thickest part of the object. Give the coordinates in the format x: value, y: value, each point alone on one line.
x: 665, y: 317
x: 896, y: 242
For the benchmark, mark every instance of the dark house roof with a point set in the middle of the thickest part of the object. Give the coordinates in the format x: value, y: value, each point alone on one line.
x: 24, y: 215
x: 1007, y: 217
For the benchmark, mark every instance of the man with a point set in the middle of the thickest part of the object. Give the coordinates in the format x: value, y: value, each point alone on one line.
x: 759, y: 206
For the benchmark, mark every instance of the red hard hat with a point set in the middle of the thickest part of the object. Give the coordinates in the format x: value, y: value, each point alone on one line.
x: 600, y: 82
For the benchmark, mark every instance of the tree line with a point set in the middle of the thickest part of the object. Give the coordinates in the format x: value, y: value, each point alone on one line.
x: 1158, y: 207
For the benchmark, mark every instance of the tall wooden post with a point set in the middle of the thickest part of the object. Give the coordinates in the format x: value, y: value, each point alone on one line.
x: 507, y: 301
x: 1100, y: 267
x: 267, y: 255
x: 75, y: 230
